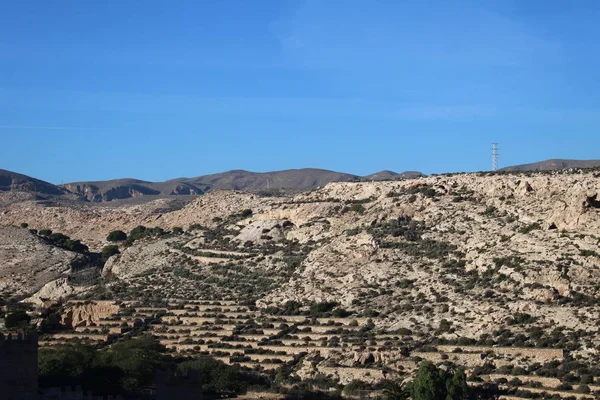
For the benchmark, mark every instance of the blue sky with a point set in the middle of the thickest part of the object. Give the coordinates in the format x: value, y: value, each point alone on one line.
x: 158, y: 90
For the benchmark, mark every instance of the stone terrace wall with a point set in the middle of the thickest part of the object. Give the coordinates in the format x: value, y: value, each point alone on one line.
x: 540, y: 355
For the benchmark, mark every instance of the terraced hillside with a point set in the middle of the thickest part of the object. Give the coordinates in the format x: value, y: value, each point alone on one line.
x: 494, y: 272
x: 341, y: 350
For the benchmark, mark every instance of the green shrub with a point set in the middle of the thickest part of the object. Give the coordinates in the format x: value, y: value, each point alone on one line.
x: 589, y: 253
x: 58, y: 238
x: 62, y: 240
x: 317, y: 309
x: 521, y: 319
x: 426, y: 191
x: 109, y: 251
x: 583, y: 389
x: 76, y: 246
x: 116, y: 236
x: 17, y: 319
x: 291, y: 307
x: 138, y: 232
x: 353, y: 231
x: 357, y: 208
x: 341, y: 313
x: 530, y: 228
x: 490, y: 210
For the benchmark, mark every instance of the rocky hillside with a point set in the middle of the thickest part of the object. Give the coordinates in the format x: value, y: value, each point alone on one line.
x: 28, y: 262
x: 494, y: 259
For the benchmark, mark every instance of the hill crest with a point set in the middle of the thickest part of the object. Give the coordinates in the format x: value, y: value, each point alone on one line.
x: 553, y: 164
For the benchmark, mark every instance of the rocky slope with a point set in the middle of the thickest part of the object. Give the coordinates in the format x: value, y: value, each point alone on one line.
x: 479, y: 249
x: 27, y: 262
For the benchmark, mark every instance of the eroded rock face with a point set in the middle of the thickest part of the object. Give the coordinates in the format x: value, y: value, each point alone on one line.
x: 54, y: 291
x: 88, y: 314
x: 264, y: 230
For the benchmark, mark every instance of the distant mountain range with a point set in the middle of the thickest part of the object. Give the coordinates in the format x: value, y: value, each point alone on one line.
x: 293, y: 179
x: 101, y: 191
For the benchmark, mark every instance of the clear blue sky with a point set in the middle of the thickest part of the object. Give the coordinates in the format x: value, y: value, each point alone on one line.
x: 158, y: 90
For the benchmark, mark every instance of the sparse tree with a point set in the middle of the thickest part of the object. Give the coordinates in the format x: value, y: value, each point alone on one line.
x: 428, y: 383
x: 433, y: 383
x: 456, y: 387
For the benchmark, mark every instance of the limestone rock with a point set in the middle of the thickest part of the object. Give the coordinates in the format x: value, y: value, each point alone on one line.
x: 264, y: 230
x: 53, y: 291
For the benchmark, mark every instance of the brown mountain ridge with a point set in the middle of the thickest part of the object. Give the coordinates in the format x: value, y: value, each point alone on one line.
x: 12, y: 181
x: 119, y: 189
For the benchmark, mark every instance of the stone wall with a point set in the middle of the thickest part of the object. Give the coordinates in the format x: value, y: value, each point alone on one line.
x: 546, y: 382
x: 18, y: 367
x: 540, y: 355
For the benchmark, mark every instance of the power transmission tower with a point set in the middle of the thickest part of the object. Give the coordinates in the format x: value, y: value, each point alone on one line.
x: 494, y: 156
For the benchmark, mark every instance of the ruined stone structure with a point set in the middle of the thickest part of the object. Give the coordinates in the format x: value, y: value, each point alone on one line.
x: 18, y: 366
